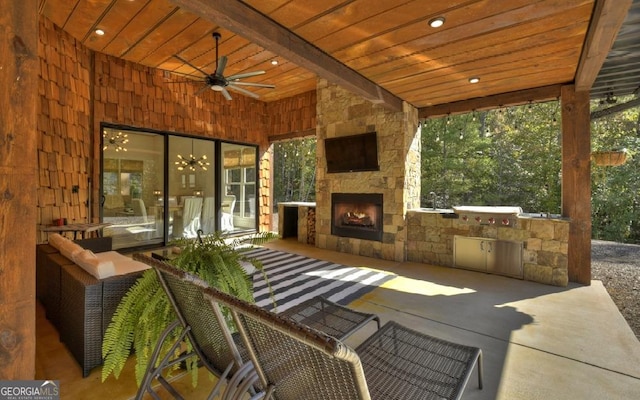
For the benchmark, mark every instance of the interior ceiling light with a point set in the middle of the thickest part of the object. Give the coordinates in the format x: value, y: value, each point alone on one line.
x: 274, y: 62
x: 191, y: 162
x: 474, y: 79
x: 116, y: 141
x: 99, y: 32
x: 436, y: 22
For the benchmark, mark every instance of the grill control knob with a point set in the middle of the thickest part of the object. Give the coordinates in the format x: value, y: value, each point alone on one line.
x: 478, y: 219
x: 505, y: 221
x: 492, y: 221
x: 465, y: 218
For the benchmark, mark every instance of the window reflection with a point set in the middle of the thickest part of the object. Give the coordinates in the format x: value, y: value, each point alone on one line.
x: 150, y: 198
x: 239, y: 181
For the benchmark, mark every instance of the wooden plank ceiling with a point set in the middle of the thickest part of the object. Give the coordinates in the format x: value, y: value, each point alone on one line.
x: 509, y: 45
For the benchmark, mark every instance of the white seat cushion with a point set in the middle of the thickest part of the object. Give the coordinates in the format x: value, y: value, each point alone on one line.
x: 123, y: 264
x: 100, y: 269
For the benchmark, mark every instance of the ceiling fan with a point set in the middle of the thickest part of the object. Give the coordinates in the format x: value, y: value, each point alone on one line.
x: 218, y: 82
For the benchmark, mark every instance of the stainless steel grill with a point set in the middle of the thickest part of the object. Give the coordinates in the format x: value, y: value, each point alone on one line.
x: 488, y: 215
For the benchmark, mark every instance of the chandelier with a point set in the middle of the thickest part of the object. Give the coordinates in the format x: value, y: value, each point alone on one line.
x: 191, y: 162
x: 116, y: 141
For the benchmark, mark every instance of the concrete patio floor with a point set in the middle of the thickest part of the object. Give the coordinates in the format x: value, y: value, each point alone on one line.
x: 538, y: 341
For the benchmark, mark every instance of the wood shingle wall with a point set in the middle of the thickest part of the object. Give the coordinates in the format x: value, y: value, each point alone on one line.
x: 80, y: 89
x: 63, y: 127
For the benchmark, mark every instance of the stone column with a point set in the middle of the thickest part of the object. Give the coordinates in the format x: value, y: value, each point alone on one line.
x: 341, y: 113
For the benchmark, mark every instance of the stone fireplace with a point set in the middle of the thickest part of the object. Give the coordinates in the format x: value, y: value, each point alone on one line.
x: 374, y: 231
x: 357, y: 215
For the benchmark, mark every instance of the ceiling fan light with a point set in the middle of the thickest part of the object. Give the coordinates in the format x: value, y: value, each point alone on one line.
x: 217, y: 88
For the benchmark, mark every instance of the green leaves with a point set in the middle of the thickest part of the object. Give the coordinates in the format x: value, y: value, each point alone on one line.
x: 512, y: 156
x: 145, y: 311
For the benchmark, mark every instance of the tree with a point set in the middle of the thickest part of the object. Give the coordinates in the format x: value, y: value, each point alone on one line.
x: 295, y: 167
x: 512, y: 156
x: 499, y: 157
x: 616, y: 189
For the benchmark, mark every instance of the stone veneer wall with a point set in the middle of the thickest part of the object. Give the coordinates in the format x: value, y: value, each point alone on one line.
x: 341, y: 113
x: 430, y: 241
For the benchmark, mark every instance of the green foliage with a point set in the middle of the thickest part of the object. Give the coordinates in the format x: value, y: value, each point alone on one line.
x: 500, y: 157
x: 615, y: 190
x: 295, y: 170
x: 513, y: 157
x: 145, y: 311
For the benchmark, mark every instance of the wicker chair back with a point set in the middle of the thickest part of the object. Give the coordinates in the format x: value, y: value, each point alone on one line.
x: 294, y: 361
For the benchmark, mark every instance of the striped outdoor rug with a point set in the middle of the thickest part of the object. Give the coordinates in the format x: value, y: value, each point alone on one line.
x: 295, y: 278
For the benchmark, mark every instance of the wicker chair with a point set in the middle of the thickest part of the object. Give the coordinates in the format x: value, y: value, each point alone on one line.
x: 220, y: 351
x: 295, y: 362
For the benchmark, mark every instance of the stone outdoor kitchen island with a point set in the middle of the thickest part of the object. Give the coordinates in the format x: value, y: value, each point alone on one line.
x: 409, y: 233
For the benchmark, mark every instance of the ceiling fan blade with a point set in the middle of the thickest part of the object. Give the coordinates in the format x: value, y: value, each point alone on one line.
x: 226, y: 94
x: 202, y: 89
x: 245, y: 75
x: 222, y: 63
x: 191, y: 65
x: 263, y: 85
x: 243, y: 91
x: 190, y: 76
x: 176, y: 82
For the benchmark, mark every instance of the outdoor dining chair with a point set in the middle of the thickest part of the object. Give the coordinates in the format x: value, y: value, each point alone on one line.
x: 217, y: 348
x: 295, y: 362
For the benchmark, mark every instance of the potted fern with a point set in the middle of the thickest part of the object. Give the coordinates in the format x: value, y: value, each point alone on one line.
x: 145, y: 311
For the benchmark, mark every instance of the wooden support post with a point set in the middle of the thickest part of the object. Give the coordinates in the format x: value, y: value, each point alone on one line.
x: 576, y: 181
x: 18, y: 157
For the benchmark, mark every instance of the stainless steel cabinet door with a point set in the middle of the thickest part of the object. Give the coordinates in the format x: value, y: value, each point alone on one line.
x: 504, y: 257
x: 469, y: 253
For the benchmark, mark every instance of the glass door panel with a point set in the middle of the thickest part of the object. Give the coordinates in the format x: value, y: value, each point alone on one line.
x: 191, y: 183
x: 238, y: 187
x: 132, y: 178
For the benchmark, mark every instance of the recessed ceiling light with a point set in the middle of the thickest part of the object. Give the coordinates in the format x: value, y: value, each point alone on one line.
x: 474, y: 79
x: 99, y: 32
x: 274, y: 62
x: 436, y: 22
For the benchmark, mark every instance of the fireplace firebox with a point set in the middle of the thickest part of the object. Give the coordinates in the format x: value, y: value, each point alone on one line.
x: 357, y: 215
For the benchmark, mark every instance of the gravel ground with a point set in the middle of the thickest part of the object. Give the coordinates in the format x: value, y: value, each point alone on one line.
x: 617, y: 265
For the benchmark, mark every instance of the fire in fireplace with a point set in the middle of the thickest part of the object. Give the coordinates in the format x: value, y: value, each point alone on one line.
x: 357, y: 215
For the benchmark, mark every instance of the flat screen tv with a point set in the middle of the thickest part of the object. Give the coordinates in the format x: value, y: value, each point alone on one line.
x: 352, y: 153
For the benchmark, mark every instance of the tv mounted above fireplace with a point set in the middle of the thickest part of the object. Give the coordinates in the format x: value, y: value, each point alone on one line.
x: 352, y: 153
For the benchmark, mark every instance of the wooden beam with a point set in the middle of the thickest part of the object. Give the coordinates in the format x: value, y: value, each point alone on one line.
x: 615, y: 109
x: 608, y: 16
x: 535, y: 95
x: 576, y: 181
x: 256, y: 27
x: 18, y: 153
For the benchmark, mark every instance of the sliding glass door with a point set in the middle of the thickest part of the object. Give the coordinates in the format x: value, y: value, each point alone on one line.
x: 191, y: 187
x: 132, y: 176
x: 238, y: 182
x: 157, y: 187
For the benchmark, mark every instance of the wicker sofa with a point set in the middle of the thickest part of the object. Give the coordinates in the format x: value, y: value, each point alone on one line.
x: 79, y: 301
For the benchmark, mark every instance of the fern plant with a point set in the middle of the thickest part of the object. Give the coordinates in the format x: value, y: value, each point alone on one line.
x: 145, y: 311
